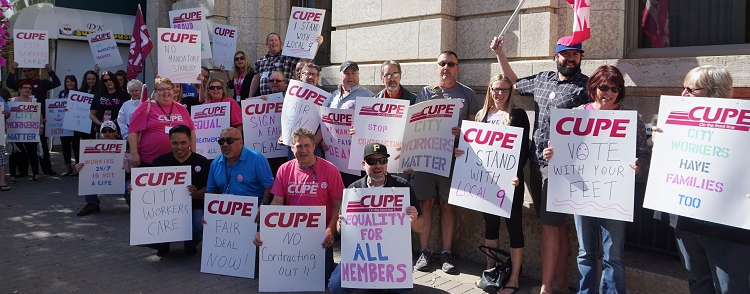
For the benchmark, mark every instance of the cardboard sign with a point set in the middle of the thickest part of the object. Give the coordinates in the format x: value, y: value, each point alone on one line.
x: 179, y: 55
x: 375, y: 232
x: 55, y: 117
x: 699, y: 162
x: 160, y: 205
x: 104, y: 49
x: 103, y: 171
x: 301, y: 108
x: 378, y: 120
x: 30, y: 48
x: 589, y: 172
x: 24, y: 122
x: 225, y: 45
x: 428, y: 141
x: 77, y: 116
x: 292, y: 258
x: 482, y: 176
x: 209, y: 120
x: 261, y: 125
x: 228, y: 235
x: 305, y: 25
x: 2, y: 124
x: 193, y: 19
x: 335, y: 125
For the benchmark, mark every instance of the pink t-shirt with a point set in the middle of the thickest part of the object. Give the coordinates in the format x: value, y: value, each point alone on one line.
x: 235, y: 110
x: 154, y: 127
x: 299, y: 186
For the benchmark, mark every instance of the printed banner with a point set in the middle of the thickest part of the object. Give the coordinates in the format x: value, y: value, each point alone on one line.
x: 102, y: 171
x: 160, y: 205
x: 482, y: 176
x: 305, y: 25
x: 335, y: 125
x: 428, y: 141
x: 193, y: 19
x: 55, y: 116
x: 104, y: 49
x: 2, y: 124
x: 228, y: 235
x: 24, y: 122
x: 375, y: 237
x: 30, y: 48
x: 261, y: 125
x: 589, y: 172
x: 292, y: 258
x: 77, y: 116
x: 378, y: 120
x: 209, y: 120
x: 301, y: 108
x: 225, y: 45
x: 699, y: 162
x: 179, y: 55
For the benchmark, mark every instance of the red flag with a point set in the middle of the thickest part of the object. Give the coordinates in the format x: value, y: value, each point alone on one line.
x: 140, y: 46
x: 581, y: 29
x: 144, y: 93
x: 655, y: 23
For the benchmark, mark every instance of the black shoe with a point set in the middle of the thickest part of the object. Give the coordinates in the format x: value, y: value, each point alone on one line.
x: 50, y: 173
x: 89, y: 209
x: 162, y: 251
x: 191, y: 251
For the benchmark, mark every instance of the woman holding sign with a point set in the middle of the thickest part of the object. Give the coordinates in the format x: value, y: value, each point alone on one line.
x: 70, y: 144
x: 217, y: 92
x: 23, y: 153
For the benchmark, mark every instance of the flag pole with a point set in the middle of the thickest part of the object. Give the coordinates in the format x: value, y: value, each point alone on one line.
x: 505, y: 28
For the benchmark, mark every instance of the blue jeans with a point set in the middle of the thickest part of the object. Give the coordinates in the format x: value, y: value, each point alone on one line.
x: 334, y: 285
x: 714, y: 265
x: 612, y: 233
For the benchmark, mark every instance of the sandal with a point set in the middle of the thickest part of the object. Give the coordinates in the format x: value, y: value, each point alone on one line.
x: 12, y: 180
x: 5, y: 188
x: 37, y: 178
x: 515, y: 289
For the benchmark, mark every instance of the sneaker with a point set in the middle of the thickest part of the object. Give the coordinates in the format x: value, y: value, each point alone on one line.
x: 423, y: 262
x: 447, y: 259
x: 89, y: 209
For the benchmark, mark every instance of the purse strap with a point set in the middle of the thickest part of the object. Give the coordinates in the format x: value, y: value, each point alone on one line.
x: 493, y: 253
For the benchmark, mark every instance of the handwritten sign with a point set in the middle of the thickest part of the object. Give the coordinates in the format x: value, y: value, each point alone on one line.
x: 193, y: 19
x: 335, y: 125
x: 2, y: 123
x: 77, y: 117
x: 305, y: 25
x: 179, y: 55
x: 161, y: 207
x: 590, y: 169
x: 225, y: 45
x: 699, y: 163
x: 301, y: 108
x: 261, y: 125
x: 228, y: 235
x: 428, y: 142
x: 30, y: 48
x: 292, y: 258
x: 378, y: 120
x: 55, y: 116
x: 102, y: 171
x: 209, y: 120
x: 482, y: 176
x: 104, y: 49
x: 374, y: 233
x: 24, y: 122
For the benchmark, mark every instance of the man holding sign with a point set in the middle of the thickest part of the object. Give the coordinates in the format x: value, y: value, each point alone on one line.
x: 273, y: 61
x: 239, y: 170
x: 108, y: 131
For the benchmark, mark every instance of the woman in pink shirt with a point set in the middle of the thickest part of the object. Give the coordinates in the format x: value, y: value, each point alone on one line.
x: 217, y: 92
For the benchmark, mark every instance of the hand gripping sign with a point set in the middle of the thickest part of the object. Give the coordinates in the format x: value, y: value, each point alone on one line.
x: 160, y: 205
x: 55, y: 117
x: 335, y: 125
x: 225, y: 45
x: 193, y: 19
x: 228, y: 235
x: 104, y: 49
x: 378, y: 120
x: 301, y: 108
x: 305, y: 25
x: 23, y: 124
x: 77, y: 116
x: 103, y: 171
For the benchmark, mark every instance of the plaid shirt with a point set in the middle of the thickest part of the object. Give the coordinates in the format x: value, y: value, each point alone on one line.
x: 270, y: 63
x: 550, y: 93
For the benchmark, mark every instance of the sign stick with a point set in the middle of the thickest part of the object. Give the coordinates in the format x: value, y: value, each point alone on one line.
x: 505, y: 28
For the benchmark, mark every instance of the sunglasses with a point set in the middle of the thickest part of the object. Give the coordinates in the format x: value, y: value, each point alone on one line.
x: 501, y: 90
x: 228, y: 140
x: 275, y: 81
x: 373, y: 161
x: 691, y: 90
x: 107, y: 131
x: 215, y: 88
x: 239, y: 58
x: 449, y: 64
x: 605, y: 88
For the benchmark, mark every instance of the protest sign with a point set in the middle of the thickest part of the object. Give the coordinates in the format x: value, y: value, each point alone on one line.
x: 30, y: 48
x: 261, y: 125
x: 374, y: 233
x: 104, y: 49
x: 225, y: 45
x: 179, y: 55
x: 228, y: 235
x: 482, y: 176
x: 24, y: 122
x: 209, y: 120
x: 590, y: 171
x: 55, y: 116
x: 193, y: 19
x: 378, y: 120
x: 102, y: 171
x: 699, y: 163
x: 301, y: 108
x: 2, y: 124
x: 160, y: 205
x: 428, y: 141
x: 305, y: 25
x: 292, y: 258
x: 335, y: 125
x: 77, y: 116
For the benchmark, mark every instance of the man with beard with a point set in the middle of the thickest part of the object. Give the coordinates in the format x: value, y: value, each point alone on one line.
x: 239, y: 170
x: 566, y: 89
x: 390, y: 74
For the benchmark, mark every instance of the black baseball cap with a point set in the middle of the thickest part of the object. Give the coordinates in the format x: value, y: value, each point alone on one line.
x: 376, y: 148
x: 348, y: 63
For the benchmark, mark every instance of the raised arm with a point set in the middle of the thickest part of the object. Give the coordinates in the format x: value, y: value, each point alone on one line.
x: 497, y: 47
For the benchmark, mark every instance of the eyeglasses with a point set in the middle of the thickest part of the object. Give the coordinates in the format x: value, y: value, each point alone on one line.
x: 275, y: 81
x: 239, y: 58
x: 605, y: 88
x: 228, y: 140
x: 449, y: 64
x: 691, y: 90
x: 500, y: 90
x: 107, y: 131
x: 310, y: 74
x: 392, y: 75
x: 164, y: 89
x: 214, y: 87
x: 373, y: 161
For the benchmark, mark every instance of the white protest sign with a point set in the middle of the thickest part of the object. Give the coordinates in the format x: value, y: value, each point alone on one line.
x: 225, y: 45
x: 482, y: 176
x: 24, y: 122
x: 160, y: 205
x: 335, y: 125
x: 30, y: 48
x: 261, y: 125
x: 292, y: 258
x: 305, y: 25
x: 102, y: 171
x: 55, y: 117
x: 104, y: 49
x: 193, y: 19
x: 228, y: 235
x: 79, y: 107
x: 699, y: 162
x: 375, y: 235
x: 301, y: 108
x: 2, y: 124
x: 428, y: 141
x: 209, y: 120
x: 378, y: 120
x: 179, y: 55
x: 589, y: 172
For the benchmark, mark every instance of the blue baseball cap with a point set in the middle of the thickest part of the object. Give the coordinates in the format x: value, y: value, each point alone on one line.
x: 564, y: 44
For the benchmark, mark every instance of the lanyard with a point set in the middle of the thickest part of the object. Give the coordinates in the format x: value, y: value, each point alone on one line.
x: 169, y: 117
x: 228, y: 174
x: 238, y: 82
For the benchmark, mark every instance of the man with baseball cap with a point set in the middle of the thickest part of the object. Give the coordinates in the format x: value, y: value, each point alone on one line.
x: 108, y: 131
x: 349, y: 88
x: 565, y: 88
